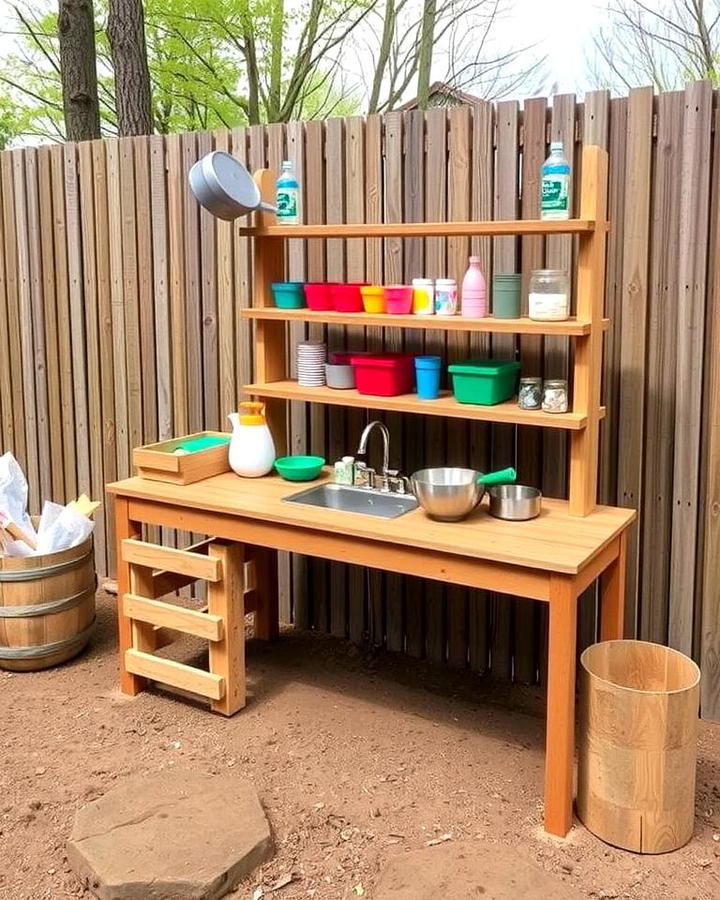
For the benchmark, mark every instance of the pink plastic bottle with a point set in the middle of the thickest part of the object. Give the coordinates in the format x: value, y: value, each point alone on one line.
x: 473, y: 298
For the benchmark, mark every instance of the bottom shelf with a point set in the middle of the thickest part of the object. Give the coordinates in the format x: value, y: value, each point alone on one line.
x: 446, y: 405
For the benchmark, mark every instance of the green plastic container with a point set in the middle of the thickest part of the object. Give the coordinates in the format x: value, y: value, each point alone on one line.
x: 299, y: 468
x: 484, y: 382
x: 288, y: 294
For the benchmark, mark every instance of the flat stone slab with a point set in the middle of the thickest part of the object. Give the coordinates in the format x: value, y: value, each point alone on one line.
x: 175, y: 835
x: 468, y: 871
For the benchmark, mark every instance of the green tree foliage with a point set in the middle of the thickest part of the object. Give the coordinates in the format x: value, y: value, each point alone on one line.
x: 216, y: 64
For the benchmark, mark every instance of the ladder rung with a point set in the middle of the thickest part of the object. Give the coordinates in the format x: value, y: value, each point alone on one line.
x: 168, y: 671
x: 183, y: 562
x: 167, y: 615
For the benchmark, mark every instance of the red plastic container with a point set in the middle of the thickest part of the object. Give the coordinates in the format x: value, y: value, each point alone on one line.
x: 346, y: 298
x: 398, y: 299
x: 384, y: 374
x: 318, y: 296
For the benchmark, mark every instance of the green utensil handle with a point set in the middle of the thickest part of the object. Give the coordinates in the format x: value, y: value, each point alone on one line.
x: 502, y: 476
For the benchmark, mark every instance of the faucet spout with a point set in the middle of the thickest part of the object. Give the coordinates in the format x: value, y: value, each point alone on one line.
x: 362, y: 446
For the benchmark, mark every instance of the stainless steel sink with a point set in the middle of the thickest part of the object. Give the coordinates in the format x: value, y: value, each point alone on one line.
x: 356, y: 500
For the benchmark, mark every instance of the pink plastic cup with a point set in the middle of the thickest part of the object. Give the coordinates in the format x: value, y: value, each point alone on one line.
x: 398, y: 299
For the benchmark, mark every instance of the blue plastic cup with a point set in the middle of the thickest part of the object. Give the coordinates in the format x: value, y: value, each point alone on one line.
x: 427, y: 376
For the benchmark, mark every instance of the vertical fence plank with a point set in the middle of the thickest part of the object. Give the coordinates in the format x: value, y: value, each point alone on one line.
x: 122, y: 410
x: 31, y: 463
x: 631, y: 405
x: 709, y: 586
x: 394, y: 166
x: 529, y: 442
x: 145, y: 281
x: 656, y: 522
x: 435, y: 267
x: 90, y: 256
x: 607, y: 485
x: 62, y: 301
x: 176, y: 218
x: 692, y: 282
x: 503, y: 347
x: 49, y: 309
x: 43, y: 488
x: 6, y: 288
x: 106, y: 347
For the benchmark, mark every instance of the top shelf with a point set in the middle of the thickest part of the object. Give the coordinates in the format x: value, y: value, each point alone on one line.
x: 427, y: 229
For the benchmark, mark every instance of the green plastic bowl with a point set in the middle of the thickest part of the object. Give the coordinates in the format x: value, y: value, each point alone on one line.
x: 299, y: 468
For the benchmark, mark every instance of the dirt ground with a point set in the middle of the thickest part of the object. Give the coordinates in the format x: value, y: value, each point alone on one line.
x: 355, y: 756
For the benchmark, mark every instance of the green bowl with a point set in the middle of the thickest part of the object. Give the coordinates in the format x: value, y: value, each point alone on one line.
x: 299, y: 468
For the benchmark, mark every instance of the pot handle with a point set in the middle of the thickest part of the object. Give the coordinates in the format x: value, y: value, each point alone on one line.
x: 502, y: 476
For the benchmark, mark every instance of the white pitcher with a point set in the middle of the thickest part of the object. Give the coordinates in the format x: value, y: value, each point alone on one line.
x: 252, y: 449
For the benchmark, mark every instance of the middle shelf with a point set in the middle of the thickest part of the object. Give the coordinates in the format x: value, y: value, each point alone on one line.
x: 446, y: 405
x: 570, y: 327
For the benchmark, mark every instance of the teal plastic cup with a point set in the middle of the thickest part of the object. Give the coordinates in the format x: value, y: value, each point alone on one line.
x: 506, y: 296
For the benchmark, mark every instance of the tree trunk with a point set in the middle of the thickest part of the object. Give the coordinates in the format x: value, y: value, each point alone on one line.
x: 76, y: 33
x: 425, y: 52
x: 133, y: 101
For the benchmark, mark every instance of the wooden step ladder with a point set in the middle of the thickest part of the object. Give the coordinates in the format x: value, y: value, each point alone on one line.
x: 240, y: 579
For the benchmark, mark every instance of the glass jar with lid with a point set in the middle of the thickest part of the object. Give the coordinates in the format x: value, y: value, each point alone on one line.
x: 549, y: 295
x: 555, y: 395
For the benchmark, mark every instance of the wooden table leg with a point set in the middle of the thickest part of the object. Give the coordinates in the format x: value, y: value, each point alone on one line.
x: 125, y: 528
x: 226, y: 599
x: 612, y: 594
x: 267, y: 614
x: 560, y: 738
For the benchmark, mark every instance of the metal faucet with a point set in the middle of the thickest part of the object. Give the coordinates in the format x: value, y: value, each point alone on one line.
x: 389, y: 479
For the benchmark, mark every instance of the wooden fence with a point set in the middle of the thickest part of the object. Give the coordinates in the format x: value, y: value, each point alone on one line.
x: 119, y: 326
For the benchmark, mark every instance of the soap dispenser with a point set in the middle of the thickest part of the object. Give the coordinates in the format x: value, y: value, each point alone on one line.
x: 252, y: 449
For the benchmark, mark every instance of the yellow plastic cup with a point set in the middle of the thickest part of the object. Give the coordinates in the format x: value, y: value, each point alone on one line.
x: 373, y: 297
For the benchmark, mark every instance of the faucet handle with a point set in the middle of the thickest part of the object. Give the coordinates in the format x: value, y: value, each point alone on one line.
x: 397, y: 483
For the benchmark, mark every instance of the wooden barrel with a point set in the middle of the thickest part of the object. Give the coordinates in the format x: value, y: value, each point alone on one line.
x: 47, y: 607
x: 638, y: 745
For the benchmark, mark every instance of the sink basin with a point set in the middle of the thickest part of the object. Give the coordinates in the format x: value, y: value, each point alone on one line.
x: 355, y: 500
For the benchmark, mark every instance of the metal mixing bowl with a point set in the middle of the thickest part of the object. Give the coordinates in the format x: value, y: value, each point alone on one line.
x: 448, y: 494
x: 516, y: 502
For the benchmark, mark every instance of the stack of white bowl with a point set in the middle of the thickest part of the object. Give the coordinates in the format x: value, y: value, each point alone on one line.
x: 311, y: 358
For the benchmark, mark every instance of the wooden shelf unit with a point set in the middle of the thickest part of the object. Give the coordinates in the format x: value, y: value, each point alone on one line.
x: 493, y: 228
x: 446, y: 405
x: 271, y: 344
x: 570, y: 328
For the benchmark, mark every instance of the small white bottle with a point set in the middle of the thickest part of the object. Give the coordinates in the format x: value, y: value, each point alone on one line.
x: 288, y: 196
x: 555, y: 185
x: 345, y: 470
x: 446, y: 296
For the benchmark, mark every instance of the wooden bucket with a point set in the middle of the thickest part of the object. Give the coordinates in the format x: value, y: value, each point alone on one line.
x: 47, y: 607
x: 638, y: 745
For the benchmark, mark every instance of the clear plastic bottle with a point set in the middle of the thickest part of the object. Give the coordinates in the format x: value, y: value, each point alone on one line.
x: 288, y: 196
x: 555, y: 185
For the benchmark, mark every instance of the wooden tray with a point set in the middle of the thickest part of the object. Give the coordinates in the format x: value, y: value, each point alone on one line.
x: 158, y: 462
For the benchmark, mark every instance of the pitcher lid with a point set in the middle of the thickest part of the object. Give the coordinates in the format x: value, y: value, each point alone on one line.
x: 255, y: 414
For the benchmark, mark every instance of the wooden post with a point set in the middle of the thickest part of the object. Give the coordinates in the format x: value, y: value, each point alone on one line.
x: 226, y: 599
x: 270, y: 337
x: 267, y: 626
x: 588, y: 350
x: 125, y: 528
x: 560, y: 737
x: 612, y: 594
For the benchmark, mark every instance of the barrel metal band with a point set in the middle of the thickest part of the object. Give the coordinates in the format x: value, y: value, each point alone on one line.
x: 48, y: 649
x: 41, y: 609
x: 44, y: 571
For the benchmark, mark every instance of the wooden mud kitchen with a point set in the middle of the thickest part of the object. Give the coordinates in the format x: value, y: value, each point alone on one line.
x: 552, y: 558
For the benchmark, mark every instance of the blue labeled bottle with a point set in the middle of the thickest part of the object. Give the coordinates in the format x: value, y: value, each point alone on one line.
x: 555, y: 185
x: 288, y: 196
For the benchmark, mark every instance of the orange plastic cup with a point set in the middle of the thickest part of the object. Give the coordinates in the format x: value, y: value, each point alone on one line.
x: 373, y: 297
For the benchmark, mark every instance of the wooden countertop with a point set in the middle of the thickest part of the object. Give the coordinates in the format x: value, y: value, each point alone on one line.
x: 555, y: 541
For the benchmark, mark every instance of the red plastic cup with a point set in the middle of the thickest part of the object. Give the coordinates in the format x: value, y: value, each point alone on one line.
x: 346, y: 298
x: 398, y: 299
x: 318, y: 297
